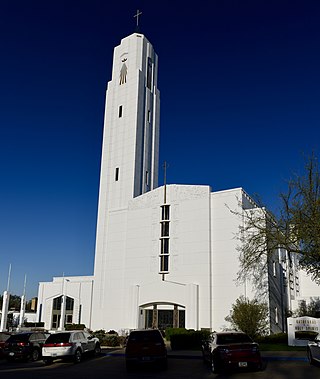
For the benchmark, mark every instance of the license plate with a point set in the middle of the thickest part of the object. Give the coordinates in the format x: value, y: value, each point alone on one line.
x: 243, y: 364
x: 11, y: 354
x: 146, y: 358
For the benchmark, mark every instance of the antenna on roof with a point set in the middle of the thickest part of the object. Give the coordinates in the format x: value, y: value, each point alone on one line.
x: 137, y: 17
x: 9, y: 275
x: 165, y: 166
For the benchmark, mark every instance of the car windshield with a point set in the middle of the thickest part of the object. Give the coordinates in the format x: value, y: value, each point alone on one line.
x: 232, y: 338
x: 19, y: 337
x: 152, y: 335
x: 4, y: 337
x: 58, y: 338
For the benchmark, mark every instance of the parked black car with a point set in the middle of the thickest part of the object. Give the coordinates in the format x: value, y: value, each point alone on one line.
x: 3, y: 338
x: 224, y: 350
x: 313, y: 350
x: 145, y: 347
x: 26, y: 345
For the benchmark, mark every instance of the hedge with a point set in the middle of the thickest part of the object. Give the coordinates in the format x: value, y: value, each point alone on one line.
x: 184, y: 339
x: 274, y: 338
x: 34, y: 324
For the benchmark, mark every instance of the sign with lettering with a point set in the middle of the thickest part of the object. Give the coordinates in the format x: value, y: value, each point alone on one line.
x: 302, y: 329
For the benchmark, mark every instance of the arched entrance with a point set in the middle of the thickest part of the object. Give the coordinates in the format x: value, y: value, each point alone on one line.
x: 162, y: 316
x: 56, y: 311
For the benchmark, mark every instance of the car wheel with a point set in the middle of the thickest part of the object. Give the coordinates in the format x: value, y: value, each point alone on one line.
x: 214, y: 365
x: 97, y: 349
x: 204, y: 358
x: 164, y: 364
x: 35, y: 354
x: 77, y: 356
x: 310, y: 358
x: 259, y: 366
x: 129, y: 366
x: 47, y: 361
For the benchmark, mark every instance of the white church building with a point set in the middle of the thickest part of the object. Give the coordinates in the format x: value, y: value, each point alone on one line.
x: 165, y: 256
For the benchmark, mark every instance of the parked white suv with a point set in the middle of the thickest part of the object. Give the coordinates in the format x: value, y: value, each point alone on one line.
x: 69, y: 344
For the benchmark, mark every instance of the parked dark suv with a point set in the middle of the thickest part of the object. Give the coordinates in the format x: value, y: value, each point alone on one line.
x: 26, y: 345
x: 145, y: 347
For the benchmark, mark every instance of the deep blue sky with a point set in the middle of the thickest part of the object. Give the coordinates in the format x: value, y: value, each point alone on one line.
x: 239, y: 83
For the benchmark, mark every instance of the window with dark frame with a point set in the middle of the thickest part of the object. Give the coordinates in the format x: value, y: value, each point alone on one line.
x: 164, y: 239
x: 164, y: 246
x: 117, y: 174
x: 165, y: 212
x: 120, y: 111
x: 164, y: 263
x: 149, y: 73
x: 164, y: 228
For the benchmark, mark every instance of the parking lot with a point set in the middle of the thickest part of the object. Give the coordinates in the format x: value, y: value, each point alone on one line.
x: 185, y: 365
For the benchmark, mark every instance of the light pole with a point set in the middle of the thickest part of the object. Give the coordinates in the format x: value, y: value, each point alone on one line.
x: 23, y: 304
x: 63, y: 304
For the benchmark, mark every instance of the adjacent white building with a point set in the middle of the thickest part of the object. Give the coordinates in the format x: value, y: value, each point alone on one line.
x: 165, y: 256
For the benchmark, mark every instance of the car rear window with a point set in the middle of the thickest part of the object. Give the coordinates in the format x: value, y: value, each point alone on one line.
x: 19, y: 337
x: 4, y: 337
x: 233, y: 338
x: 145, y: 336
x: 58, y: 338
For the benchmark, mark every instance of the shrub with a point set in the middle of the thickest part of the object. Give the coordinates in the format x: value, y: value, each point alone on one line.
x: 187, y: 339
x: 75, y: 327
x: 34, y: 324
x: 277, y: 338
x: 171, y: 331
x: 100, y: 334
x: 110, y: 339
x: 249, y: 316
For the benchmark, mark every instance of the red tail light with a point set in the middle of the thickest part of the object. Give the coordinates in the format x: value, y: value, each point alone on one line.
x: 22, y: 343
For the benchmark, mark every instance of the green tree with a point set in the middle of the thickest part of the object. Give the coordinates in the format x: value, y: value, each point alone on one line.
x: 249, y: 316
x: 311, y: 309
x: 14, y: 302
x: 295, y: 227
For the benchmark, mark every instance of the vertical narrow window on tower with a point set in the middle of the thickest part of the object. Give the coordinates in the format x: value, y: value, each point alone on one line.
x: 147, y: 178
x: 120, y: 111
x: 149, y: 73
x: 149, y: 116
x: 164, y: 263
x: 164, y: 239
x: 274, y: 268
x: 117, y: 174
x: 164, y: 246
x: 165, y: 212
x: 164, y: 228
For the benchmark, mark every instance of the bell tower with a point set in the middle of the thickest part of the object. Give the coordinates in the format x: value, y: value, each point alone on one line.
x: 130, y: 151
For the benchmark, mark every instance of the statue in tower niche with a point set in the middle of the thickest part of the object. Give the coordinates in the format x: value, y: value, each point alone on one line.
x: 123, y: 72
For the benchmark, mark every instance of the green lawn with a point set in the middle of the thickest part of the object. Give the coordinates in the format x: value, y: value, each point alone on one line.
x: 280, y: 347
